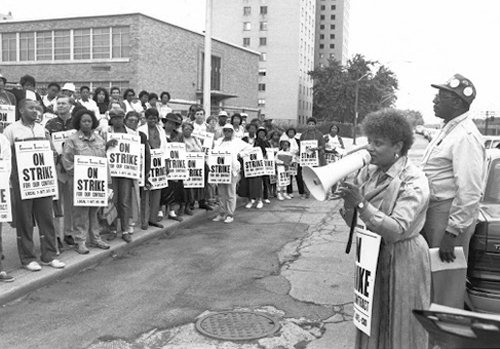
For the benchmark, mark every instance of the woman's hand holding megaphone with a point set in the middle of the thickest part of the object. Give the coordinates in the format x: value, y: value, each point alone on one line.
x: 351, y: 194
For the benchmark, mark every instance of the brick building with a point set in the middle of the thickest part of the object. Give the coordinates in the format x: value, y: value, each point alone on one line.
x: 130, y: 50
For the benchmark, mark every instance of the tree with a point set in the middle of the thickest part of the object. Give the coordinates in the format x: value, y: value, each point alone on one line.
x: 335, y: 86
x: 414, y: 117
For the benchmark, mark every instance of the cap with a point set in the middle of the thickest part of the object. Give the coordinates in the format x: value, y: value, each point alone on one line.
x: 459, y: 85
x: 262, y: 129
x: 69, y: 86
x: 228, y: 127
x: 3, y: 78
x: 116, y: 112
x: 172, y: 117
x: 223, y: 113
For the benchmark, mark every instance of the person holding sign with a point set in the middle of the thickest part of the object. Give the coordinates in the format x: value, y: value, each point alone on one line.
x: 290, y: 135
x: 40, y: 208
x: 86, y: 141
x: 7, y: 105
x: 391, y: 196
x: 251, y: 187
x: 311, y: 134
x: 284, y: 157
x: 227, y: 192
x: 191, y: 195
x: 5, y: 158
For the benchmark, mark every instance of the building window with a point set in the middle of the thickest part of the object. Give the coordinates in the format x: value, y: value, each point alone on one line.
x: 62, y: 49
x: 263, y: 26
x: 332, y: 17
x: 262, y: 87
x: 332, y: 26
x: 215, y: 72
x: 247, y: 11
x: 261, y: 102
x: 321, y: 26
x: 263, y: 56
x: 9, y: 47
x: 323, y: 7
x: 263, y: 10
x: 43, y: 46
x: 121, y: 42
x: 100, y: 43
x: 262, y: 72
x: 247, y: 26
x: 334, y: 7
x: 321, y: 36
x: 262, y: 41
x: 321, y: 46
x: 322, y: 17
x: 81, y: 44
x: 332, y: 45
x: 246, y: 42
x: 27, y: 46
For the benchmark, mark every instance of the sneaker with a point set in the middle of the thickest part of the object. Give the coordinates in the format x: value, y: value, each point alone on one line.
x: 280, y: 197
x: 288, y: 197
x: 100, y: 244
x: 4, y: 277
x: 127, y: 237
x: 68, y: 239
x: 33, y: 266
x: 229, y: 219
x: 55, y: 264
x: 218, y: 218
x: 250, y: 204
x: 267, y: 201
x: 81, y: 248
x: 156, y: 225
x: 260, y: 204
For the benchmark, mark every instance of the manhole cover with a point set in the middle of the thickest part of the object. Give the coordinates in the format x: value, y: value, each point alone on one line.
x: 237, y: 325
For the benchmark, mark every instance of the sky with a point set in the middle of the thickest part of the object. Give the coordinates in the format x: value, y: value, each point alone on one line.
x: 423, y: 42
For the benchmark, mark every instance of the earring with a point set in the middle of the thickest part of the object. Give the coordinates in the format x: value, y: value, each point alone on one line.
x: 396, y: 156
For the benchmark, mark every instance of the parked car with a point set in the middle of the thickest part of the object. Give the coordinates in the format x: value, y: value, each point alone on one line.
x: 491, y: 142
x: 483, y: 274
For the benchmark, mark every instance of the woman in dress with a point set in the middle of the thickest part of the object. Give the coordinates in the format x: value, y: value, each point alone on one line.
x: 391, y: 196
x: 239, y: 131
x: 101, y: 98
x: 250, y: 188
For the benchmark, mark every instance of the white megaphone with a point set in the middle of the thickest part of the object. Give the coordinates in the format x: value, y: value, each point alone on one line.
x: 320, y: 179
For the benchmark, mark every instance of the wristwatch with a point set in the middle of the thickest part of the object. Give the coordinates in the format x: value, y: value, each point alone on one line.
x: 360, y: 205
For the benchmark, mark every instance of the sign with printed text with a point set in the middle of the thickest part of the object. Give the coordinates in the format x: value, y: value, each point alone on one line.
x: 283, y: 176
x: 270, y: 162
x: 142, y: 166
x: 36, y: 170
x: 196, y: 168
x: 367, y: 250
x: 58, y: 139
x: 206, y: 139
x: 309, y: 157
x: 293, y: 169
x: 158, y: 172
x: 90, y: 187
x: 124, y: 159
x: 253, y: 163
x: 7, y: 114
x: 220, y: 164
x: 5, y: 203
x: 176, y: 161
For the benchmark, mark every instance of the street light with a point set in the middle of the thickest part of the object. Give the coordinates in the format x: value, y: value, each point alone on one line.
x: 356, y: 98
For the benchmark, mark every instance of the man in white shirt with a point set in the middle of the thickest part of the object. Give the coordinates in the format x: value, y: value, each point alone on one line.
x: 88, y: 102
x: 49, y: 100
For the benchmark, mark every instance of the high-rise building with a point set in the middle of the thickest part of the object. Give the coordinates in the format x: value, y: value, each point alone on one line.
x: 283, y: 32
x: 332, y: 31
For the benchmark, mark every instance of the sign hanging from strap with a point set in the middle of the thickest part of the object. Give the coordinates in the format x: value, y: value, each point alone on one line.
x: 5, y: 203
x: 253, y: 163
x: 158, y: 172
x: 176, y: 161
x: 196, y: 168
x: 206, y: 139
x: 36, y: 169
x: 220, y: 165
x: 270, y: 162
x: 283, y: 175
x: 58, y: 139
x: 124, y: 159
x: 7, y: 114
x: 90, y: 187
x: 309, y: 157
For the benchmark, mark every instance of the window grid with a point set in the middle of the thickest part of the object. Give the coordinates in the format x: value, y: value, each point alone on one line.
x: 263, y: 41
x: 247, y: 11
x: 262, y: 87
x: 44, y: 46
x: 247, y: 26
x: 100, y: 43
x: 246, y: 42
x: 263, y: 10
x: 62, y: 47
x: 27, y: 46
x: 81, y: 44
x: 121, y: 42
x: 263, y: 26
x: 9, y: 47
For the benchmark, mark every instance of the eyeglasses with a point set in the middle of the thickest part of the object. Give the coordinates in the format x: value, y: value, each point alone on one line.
x: 130, y: 95
x: 134, y: 121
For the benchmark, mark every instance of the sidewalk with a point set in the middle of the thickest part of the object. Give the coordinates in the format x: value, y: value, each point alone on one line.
x: 27, y: 281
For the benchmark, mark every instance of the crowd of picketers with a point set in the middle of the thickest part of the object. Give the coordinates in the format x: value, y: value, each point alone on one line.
x: 95, y: 115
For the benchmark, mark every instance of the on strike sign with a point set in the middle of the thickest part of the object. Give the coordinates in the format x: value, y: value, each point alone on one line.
x: 176, y: 161
x: 367, y: 249
x: 307, y: 156
x: 283, y: 177
x: 253, y: 163
x: 206, y: 139
x: 90, y: 186
x: 5, y: 204
x: 36, y: 170
x: 270, y: 162
x: 7, y: 114
x: 58, y: 139
x: 220, y: 164
x: 196, y: 168
x: 123, y: 159
x: 158, y: 172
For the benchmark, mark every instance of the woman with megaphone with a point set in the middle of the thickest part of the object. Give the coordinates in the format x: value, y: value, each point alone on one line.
x: 391, y: 197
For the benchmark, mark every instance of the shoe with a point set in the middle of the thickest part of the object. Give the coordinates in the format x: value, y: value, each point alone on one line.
x: 68, y: 239
x: 160, y: 214
x: 111, y: 235
x: 127, y: 238
x: 207, y: 207
x: 144, y: 226
x: 288, y: 197
x: 81, y: 248
x: 280, y: 197
x: 130, y: 229
x: 188, y: 211
x: 33, y: 266
x: 229, y: 219
x: 180, y: 213
x: 157, y: 225
x: 302, y: 197
x: 57, y: 264
x: 175, y: 218
x: 307, y: 196
x: 218, y: 218
x: 4, y: 277
x: 260, y: 204
x: 250, y: 204
x: 100, y: 244
x: 267, y: 201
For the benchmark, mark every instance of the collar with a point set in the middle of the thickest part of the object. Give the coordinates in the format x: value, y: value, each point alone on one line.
x: 455, y: 121
x: 27, y: 125
x: 82, y: 136
x: 395, y: 169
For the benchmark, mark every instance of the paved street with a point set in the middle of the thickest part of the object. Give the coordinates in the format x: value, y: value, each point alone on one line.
x: 287, y: 259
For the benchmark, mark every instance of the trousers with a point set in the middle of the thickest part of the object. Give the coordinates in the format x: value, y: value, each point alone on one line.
x: 122, y: 198
x: 85, y: 222
x: 227, y: 197
x: 300, y: 182
x: 150, y: 206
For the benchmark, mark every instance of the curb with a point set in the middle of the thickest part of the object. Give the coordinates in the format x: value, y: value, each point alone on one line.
x: 27, y: 281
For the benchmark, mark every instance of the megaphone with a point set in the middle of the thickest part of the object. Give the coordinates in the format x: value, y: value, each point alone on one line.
x: 320, y: 179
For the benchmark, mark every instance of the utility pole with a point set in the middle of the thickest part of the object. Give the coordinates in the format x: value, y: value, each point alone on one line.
x: 207, y: 62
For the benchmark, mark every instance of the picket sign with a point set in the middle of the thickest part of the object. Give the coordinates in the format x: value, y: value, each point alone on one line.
x: 220, y: 164
x: 36, y: 169
x: 158, y: 172
x: 5, y: 203
x: 308, y: 157
x: 7, y: 114
x: 90, y: 187
x: 270, y: 162
x: 142, y: 166
x: 293, y: 169
x: 196, y: 168
x: 124, y: 159
x: 58, y: 139
x: 253, y: 163
x: 367, y: 251
x: 176, y: 161
x: 283, y: 177
x: 206, y: 139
